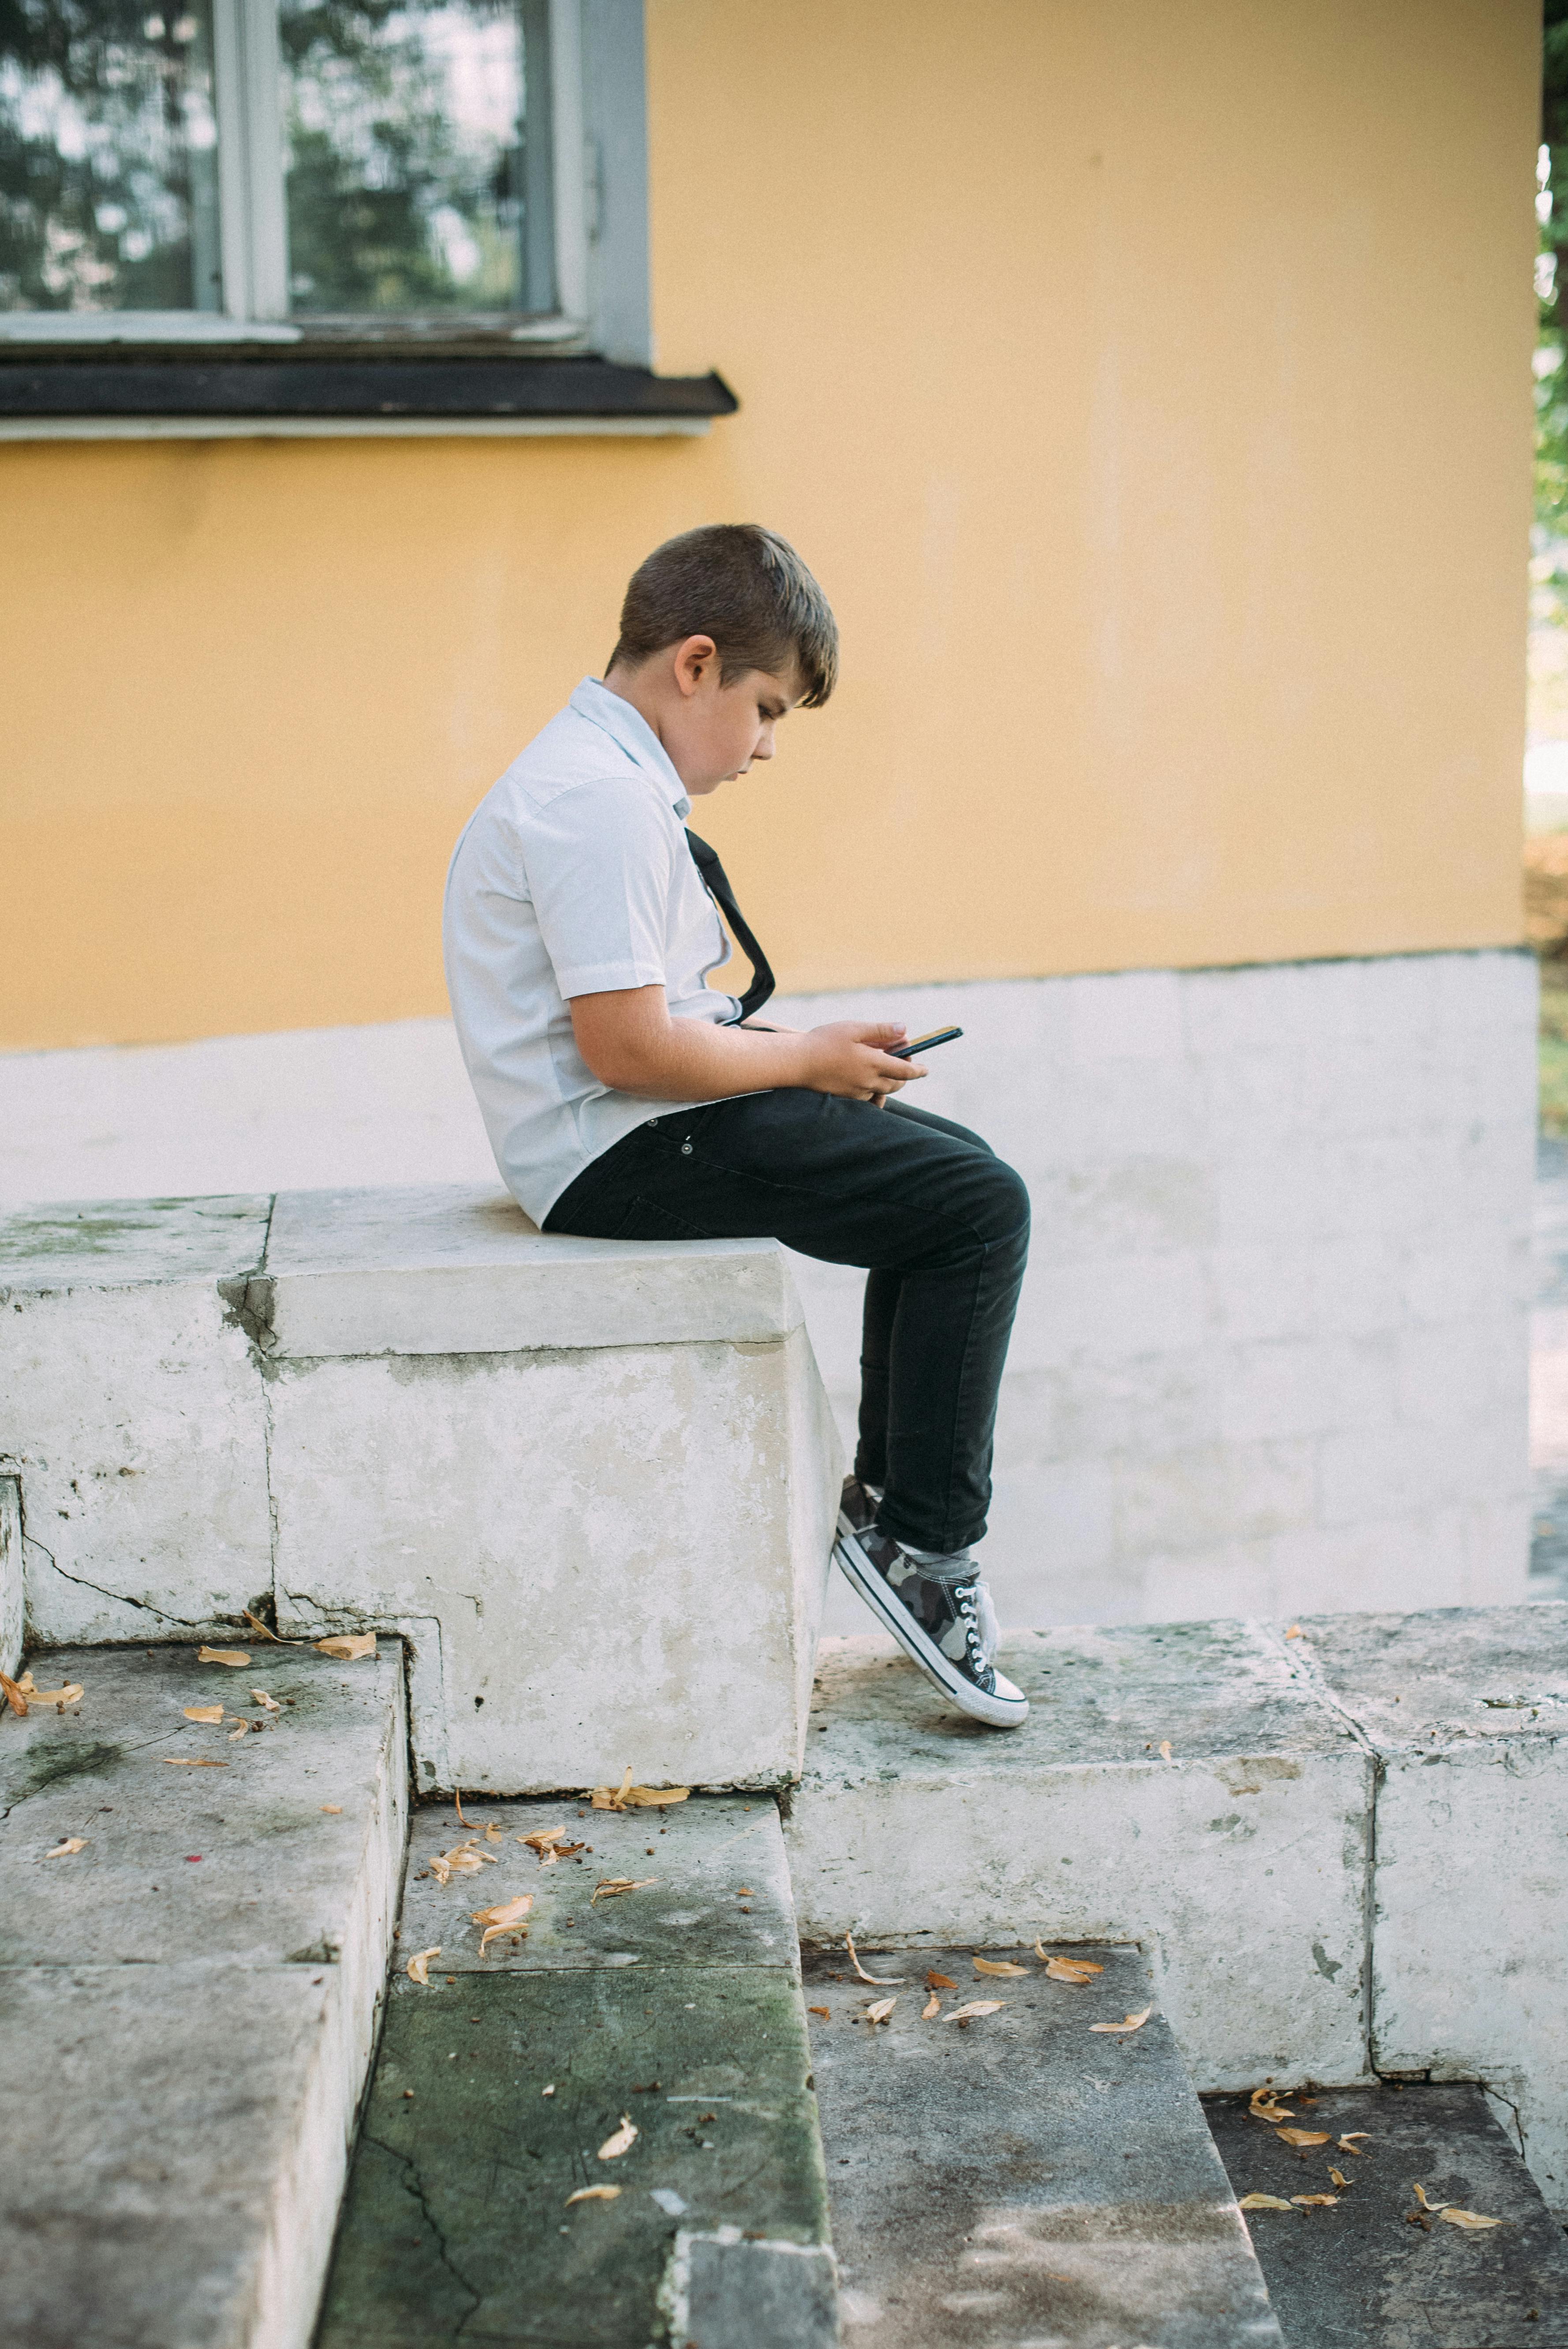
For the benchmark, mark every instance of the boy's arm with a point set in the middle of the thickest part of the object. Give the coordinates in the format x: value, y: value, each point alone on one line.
x: 631, y: 1044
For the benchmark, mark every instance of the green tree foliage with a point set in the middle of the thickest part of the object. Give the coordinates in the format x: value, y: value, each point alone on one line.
x: 1551, y: 385
x: 99, y: 103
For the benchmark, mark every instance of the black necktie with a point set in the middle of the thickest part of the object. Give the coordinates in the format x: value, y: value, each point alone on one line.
x: 706, y: 859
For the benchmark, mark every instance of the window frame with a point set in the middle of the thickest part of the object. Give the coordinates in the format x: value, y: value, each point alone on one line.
x: 600, y: 213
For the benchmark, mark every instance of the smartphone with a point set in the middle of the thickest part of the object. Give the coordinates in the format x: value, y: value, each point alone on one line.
x: 923, y: 1043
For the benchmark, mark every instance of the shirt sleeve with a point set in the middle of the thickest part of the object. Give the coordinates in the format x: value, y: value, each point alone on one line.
x: 599, y: 862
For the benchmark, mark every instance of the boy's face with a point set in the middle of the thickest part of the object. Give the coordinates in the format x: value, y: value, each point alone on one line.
x: 713, y: 731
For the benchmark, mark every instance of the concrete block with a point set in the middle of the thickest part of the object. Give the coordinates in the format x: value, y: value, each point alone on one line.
x: 10, y: 1566
x: 498, y: 1437
x: 1012, y: 2181
x: 131, y: 1402
x: 522, y: 1501
x: 450, y: 1270
x: 1467, y: 1711
x: 1240, y: 1862
x: 190, y: 1999
x: 678, y: 2004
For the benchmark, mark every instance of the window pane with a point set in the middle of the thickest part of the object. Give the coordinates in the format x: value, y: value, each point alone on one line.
x: 108, y: 153
x: 410, y: 184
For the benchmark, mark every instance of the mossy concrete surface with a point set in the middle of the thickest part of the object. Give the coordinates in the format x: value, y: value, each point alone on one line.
x: 193, y: 1940
x: 676, y: 2005
x: 457, y: 2223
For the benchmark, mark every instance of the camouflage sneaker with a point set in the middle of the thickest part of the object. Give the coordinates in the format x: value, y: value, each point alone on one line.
x: 940, y: 1615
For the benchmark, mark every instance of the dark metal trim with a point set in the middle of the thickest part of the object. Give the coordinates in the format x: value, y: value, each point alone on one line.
x: 373, y: 386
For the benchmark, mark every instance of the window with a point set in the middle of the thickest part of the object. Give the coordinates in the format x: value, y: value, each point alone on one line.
x: 380, y: 171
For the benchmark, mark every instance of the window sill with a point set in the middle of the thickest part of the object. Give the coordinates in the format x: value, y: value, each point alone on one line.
x: 78, y: 395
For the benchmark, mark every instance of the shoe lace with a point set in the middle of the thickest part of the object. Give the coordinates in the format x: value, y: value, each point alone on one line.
x: 967, y: 1597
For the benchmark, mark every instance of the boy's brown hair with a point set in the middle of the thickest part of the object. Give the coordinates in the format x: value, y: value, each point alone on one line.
x: 745, y: 587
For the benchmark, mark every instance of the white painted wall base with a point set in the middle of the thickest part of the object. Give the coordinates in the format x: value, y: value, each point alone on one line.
x: 1273, y: 1349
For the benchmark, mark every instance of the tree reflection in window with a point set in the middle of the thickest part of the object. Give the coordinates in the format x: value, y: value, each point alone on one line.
x: 108, y: 194
x: 410, y: 184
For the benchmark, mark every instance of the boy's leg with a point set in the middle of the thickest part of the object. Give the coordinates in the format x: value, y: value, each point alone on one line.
x: 941, y: 1224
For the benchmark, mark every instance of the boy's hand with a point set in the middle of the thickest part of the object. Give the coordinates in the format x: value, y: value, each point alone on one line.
x: 846, y: 1058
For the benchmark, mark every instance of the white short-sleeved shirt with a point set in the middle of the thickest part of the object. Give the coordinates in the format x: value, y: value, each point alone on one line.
x: 572, y: 877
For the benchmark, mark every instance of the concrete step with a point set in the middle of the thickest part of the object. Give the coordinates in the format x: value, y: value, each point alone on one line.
x: 1357, y: 2275
x: 677, y: 2005
x: 1275, y: 1813
x: 394, y: 1410
x: 187, y: 2000
x: 1019, y: 2177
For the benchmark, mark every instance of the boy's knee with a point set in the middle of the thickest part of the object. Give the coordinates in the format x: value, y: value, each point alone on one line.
x: 1007, y: 1198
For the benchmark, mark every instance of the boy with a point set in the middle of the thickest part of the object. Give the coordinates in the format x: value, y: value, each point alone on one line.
x: 626, y: 1099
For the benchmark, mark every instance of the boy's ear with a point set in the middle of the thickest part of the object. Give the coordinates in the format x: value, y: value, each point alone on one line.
x: 693, y: 660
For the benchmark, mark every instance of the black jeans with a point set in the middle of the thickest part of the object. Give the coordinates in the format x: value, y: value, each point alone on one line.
x: 942, y: 1225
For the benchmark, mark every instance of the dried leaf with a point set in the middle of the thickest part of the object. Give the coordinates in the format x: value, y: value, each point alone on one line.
x: 592, y: 2194
x: 461, y: 1860
x: 1165, y: 1749
x: 1129, y: 2023
x: 496, y: 1932
x: 418, y: 1967
x: 1420, y: 2194
x: 505, y: 1912
x: 1295, y: 1631
x: 458, y: 1798
x: 203, y: 1713
x: 825, y: 2011
x: 1067, y: 1969
x: 880, y: 2009
x: 1316, y: 2201
x: 613, y: 1798
x: 880, y: 1981
x: 14, y: 1696
x: 189, y: 1762
x: 1302, y: 2136
x: 655, y: 1798
x: 70, y: 1693
x: 267, y: 1633
x: 346, y: 1646
x: 542, y: 1841
x: 558, y: 1851
x: 268, y: 1704
x: 335, y: 1810
x: 624, y: 2138
x: 235, y: 1658
x: 1457, y: 2217
x: 1000, y: 1966
x: 1262, y: 2202
x: 492, y: 1833
x: 939, y: 1982
x: 975, y: 2006
x: 1347, y: 2144
x: 609, y: 1886
x: 243, y: 1730
x: 1340, y: 2177
x: 1265, y: 2106
x: 932, y: 2008
x: 71, y: 1843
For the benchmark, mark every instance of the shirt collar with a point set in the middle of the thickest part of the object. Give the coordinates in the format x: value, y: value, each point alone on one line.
x: 595, y: 701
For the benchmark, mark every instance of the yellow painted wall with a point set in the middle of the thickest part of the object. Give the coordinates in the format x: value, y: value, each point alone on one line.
x: 1149, y: 388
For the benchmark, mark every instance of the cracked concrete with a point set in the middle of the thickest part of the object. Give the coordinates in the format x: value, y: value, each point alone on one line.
x: 189, y: 2001
x: 678, y: 2004
x: 400, y: 1409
